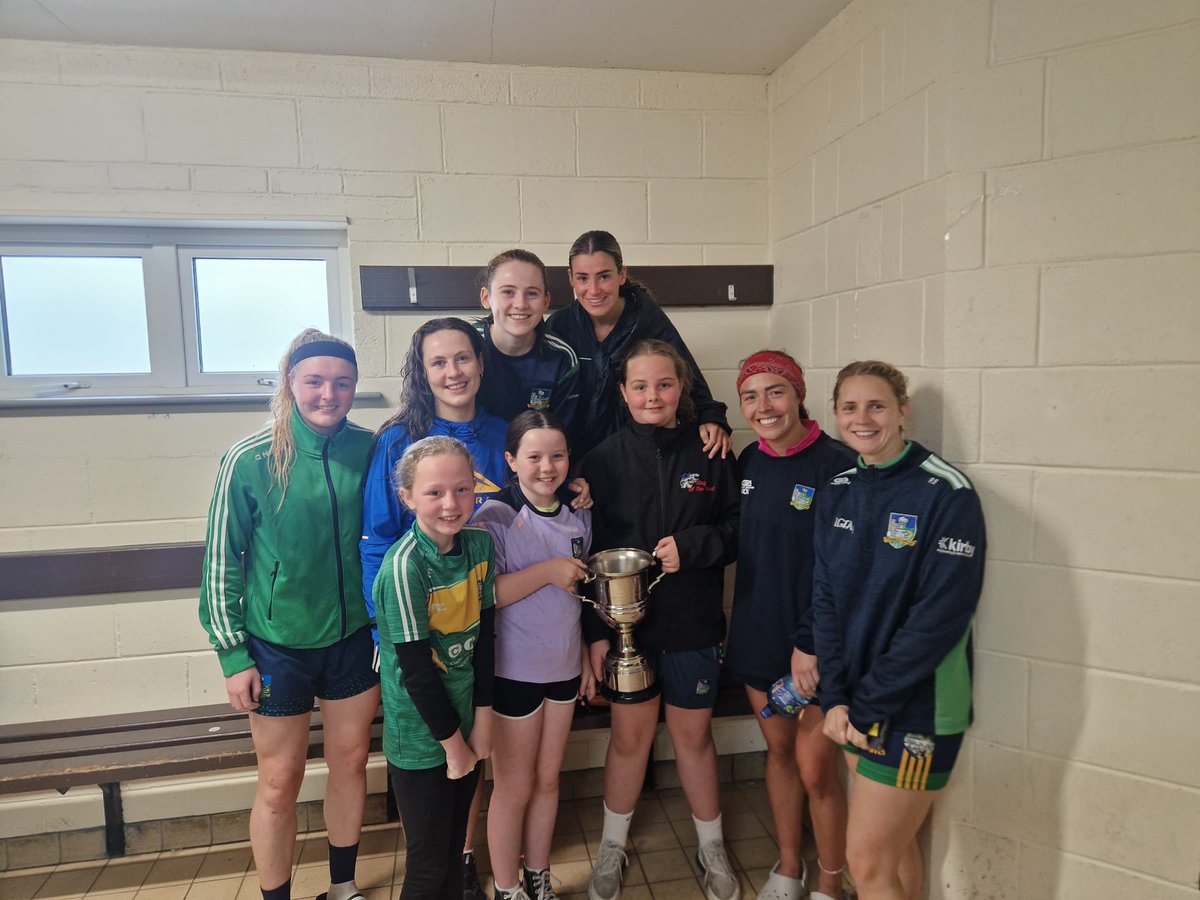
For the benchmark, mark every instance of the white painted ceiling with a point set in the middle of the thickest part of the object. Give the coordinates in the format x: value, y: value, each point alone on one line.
x: 730, y: 36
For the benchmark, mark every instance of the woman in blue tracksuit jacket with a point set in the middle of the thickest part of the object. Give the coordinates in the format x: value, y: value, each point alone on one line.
x: 899, y: 547
x: 442, y: 375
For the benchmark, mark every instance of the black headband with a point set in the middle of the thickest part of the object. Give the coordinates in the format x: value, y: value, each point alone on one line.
x: 323, y: 348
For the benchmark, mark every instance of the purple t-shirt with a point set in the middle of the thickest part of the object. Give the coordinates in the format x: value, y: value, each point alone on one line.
x: 538, y: 637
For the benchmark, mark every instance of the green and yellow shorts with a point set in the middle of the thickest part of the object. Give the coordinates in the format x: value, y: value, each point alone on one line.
x: 910, y: 761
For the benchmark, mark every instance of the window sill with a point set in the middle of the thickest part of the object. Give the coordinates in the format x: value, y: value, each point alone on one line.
x: 159, y: 400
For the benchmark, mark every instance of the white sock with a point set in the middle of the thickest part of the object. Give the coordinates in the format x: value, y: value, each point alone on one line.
x: 616, y: 827
x: 709, y: 831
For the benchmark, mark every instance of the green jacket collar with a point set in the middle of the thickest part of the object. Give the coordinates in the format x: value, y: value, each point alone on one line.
x: 308, y: 441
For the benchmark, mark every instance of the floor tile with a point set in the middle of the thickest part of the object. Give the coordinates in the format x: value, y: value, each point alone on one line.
x: 665, y: 865
x: 164, y: 892
x: 22, y: 886
x: 223, y: 864
x: 215, y: 889
x: 67, y: 883
x: 121, y: 875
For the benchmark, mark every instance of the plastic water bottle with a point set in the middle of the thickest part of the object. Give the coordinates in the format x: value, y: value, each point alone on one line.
x: 784, y: 699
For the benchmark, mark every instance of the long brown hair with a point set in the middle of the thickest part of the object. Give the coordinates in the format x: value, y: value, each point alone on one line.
x: 283, y: 442
x: 417, y: 408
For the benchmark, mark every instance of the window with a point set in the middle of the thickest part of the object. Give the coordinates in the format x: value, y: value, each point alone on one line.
x: 122, y: 309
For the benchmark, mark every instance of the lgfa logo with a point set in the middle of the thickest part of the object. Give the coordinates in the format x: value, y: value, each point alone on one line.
x: 844, y: 524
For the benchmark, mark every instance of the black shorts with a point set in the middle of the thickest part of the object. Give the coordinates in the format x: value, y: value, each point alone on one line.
x: 293, y: 679
x: 686, y: 679
x: 519, y: 699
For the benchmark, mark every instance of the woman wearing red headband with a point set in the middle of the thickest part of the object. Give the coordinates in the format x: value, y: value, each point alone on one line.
x: 770, y: 634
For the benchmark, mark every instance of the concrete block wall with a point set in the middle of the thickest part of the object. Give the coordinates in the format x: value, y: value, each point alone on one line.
x: 1003, y: 198
x: 429, y: 164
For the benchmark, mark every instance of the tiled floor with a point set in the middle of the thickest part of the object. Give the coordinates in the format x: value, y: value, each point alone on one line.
x: 661, y: 859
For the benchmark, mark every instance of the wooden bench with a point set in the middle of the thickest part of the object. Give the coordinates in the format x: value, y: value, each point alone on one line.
x: 110, y: 750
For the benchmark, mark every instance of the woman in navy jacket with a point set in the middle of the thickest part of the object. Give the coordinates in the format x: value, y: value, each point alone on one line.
x: 899, y: 544
x: 613, y: 312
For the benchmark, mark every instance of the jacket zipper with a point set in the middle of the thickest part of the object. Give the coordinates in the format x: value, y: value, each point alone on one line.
x: 337, y: 532
x: 271, y: 601
x: 662, y: 493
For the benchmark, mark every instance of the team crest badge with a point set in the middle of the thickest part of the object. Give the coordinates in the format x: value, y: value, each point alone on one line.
x: 901, y: 530
x: 539, y: 398
x: 918, y: 746
x: 802, y: 497
x: 577, y: 547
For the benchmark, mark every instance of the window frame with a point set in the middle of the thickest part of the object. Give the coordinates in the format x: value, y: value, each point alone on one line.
x: 166, y: 250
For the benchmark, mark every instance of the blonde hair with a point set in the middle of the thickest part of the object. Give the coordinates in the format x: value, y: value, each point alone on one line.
x: 895, y: 379
x: 405, y: 473
x: 283, y: 442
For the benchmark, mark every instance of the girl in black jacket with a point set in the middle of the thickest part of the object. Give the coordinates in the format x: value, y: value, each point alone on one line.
x: 656, y: 489
x: 613, y: 312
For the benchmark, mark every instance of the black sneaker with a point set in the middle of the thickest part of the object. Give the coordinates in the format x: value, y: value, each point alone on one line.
x: 472, y: 889
x: 538, y: 886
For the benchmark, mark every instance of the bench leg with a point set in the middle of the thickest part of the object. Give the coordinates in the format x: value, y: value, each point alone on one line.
x: 114, y: 819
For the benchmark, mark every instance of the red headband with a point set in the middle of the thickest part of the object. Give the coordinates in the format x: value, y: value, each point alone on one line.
x: 775, y: 364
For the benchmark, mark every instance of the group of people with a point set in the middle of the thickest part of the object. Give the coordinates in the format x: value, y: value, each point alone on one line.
x: 440, y: 559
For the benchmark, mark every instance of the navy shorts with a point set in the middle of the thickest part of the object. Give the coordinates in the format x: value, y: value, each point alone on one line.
x: 293, y: 679
x: 687, y: 679
x: 910, y: 761
x: 518, y: 699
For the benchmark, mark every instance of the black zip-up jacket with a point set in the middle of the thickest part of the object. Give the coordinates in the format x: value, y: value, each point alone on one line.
x: 651, y: 482
x: 601, y: 412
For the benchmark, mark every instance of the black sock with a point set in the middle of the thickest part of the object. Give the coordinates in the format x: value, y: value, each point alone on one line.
x: 342, y: 861
x: 283, y: 892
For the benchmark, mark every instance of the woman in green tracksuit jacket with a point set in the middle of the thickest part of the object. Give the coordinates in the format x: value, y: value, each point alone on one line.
x: 281, y: 600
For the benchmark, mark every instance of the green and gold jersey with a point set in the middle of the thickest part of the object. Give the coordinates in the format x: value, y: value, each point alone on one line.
x: 421, y: 594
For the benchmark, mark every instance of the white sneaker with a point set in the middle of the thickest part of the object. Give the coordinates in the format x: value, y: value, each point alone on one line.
x: 719, y: 881
x: 605, y: 880
x: 784, y: 887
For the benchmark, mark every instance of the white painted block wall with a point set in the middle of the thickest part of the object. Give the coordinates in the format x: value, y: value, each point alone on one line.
x: 1003, y: 198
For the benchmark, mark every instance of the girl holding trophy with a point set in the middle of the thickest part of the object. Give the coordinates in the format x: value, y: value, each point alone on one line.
x: 657, y: 490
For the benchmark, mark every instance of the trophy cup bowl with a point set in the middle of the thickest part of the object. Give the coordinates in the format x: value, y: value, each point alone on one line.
x: 620, y: 587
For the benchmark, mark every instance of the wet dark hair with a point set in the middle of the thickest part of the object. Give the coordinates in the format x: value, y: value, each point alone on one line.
x: 417, y: 409
x: 686, y: 413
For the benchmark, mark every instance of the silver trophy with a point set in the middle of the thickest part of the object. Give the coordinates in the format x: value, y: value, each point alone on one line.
x: 619, y: 589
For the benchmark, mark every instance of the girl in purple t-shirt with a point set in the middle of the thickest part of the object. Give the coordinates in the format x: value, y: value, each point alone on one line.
x: 540, y: 548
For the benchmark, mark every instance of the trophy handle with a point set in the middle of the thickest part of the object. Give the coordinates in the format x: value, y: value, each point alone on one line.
x: 587, y: 579
x: 660, y: 577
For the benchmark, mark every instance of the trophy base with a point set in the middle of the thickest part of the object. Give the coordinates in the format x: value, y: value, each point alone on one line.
x: 628, y: 680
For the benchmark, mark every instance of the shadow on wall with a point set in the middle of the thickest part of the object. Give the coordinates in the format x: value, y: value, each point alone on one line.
x: 996, y: 831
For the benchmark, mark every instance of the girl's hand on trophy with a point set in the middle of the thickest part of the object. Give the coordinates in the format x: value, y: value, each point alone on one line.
x: 666, y: 552
x: 587, y: 678
x: 598, y: 651
x: 565, y: 572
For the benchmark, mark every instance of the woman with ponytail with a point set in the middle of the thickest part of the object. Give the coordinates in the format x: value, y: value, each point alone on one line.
x: 613, y: 311
x: 281, y: 600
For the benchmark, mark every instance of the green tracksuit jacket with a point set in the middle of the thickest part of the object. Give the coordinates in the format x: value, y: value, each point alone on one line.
x: 287, y: 574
